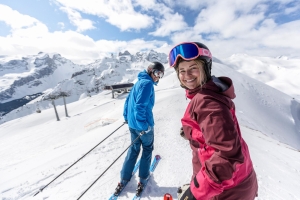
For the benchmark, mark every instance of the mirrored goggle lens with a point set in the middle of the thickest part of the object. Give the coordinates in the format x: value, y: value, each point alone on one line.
x: 159, y: 74
x: 186, y: 50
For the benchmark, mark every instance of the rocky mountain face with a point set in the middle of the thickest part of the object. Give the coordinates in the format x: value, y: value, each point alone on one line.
x: 11, y: 105
x: 107, y: 71
x: 46, y: 76
x: 33, y: 74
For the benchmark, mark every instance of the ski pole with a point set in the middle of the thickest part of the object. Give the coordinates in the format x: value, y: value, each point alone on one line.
x: 41, y: 189
x: 111, y: 164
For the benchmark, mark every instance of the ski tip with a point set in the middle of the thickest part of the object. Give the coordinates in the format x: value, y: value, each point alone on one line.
x: 167, y: 196
x: 158, y: 157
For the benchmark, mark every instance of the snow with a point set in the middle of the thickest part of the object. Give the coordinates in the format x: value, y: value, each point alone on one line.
x: 281, y: 72
x: 36, y: 148
x: 27, y: 68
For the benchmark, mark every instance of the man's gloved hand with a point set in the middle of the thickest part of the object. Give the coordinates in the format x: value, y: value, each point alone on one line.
x: 126, y: 122
x: 184, y: 193
x: 182, y: 133
x: 149, y: 129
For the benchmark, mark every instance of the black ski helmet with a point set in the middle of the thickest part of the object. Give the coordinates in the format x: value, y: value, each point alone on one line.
x: 207, y: 60
x: 155, y: 66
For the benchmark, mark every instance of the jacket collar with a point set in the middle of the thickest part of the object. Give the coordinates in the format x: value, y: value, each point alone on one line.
x: 145, y: 75
x: 212, y: 86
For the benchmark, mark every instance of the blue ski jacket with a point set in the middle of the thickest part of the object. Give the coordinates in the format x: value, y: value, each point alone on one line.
x: 139, y: 103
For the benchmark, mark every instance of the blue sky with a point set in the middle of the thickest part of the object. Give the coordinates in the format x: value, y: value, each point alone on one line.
x: 87, y: 30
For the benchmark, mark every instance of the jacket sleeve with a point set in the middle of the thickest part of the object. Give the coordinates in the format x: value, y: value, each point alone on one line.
x: 142, y: 101
x: 125, y: 108
x: 222, y: 143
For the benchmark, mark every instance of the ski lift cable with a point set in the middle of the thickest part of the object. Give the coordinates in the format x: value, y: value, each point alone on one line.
x: 138, y: 137
x: 41, y: 189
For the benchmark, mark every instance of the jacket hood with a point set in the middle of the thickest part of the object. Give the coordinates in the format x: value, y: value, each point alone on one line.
x: 222, y: 85
x: 145, y: 75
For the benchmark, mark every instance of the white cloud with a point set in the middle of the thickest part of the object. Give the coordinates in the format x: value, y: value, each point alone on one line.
x: 146, y: 5
x: 119, y: 13
x: 169, y: 24
x: 39, y: 30
x: 77, y: 20
x: 167, y: 20
x: 132, y: 46
x: 225, y: 27
x: 127, y: 21
x: 185, y: 36
x: 242, y: 25
x: 31, y: 36
x: 191, y: 4
x: 235, y: 26
x: 286, y: 36
x: 22, y: 26
x: 15, y: 19
x: 227, y: 20
x: 123, y: 15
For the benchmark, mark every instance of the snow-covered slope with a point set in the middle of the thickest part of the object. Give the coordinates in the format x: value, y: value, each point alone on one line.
x: 258, y: 106
x: 36, y: 148
x: 281, y: 73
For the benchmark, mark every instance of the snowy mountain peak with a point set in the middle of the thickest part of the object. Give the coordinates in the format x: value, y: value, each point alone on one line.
x: 32, y: 74
x: 282, y: 57
x: 126, y: 53
x: 53, y: 75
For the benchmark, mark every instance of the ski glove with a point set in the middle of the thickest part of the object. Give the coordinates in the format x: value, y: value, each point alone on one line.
x: 126, y: 122
x: 184, y: 193
x: 149, y: 129
x: 182, y: 133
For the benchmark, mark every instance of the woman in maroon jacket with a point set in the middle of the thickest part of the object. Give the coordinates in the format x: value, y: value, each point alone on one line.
x: 222, y: 167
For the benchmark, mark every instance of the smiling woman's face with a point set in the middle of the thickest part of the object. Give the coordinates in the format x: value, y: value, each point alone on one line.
x: 190, y: 74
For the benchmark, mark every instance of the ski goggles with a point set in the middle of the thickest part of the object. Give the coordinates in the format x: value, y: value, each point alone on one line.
x: 187, y: 51
x: 158, y: 74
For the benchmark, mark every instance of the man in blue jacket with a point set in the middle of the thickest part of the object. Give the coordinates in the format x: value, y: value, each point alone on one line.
x: 138, y: 114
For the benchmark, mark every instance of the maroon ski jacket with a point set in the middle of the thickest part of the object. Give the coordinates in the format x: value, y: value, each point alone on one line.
x: 221, y: 161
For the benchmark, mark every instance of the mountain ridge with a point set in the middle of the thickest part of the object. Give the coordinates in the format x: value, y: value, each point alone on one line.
x: 51, y: 74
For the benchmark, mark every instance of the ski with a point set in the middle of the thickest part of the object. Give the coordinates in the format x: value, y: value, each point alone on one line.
x: 167, y: 196
x: 153, y: 165
x: 136, y: 167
